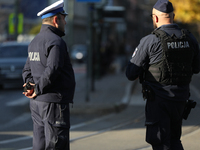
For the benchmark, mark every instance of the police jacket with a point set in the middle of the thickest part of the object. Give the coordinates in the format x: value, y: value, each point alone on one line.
x: 149, y: 52
x: 48, y: 66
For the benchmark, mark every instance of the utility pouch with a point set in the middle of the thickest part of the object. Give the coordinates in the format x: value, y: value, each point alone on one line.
x: 189, y: 105
x: 148, y: 93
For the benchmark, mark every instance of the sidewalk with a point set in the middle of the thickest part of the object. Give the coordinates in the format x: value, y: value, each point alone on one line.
x: 190, y: 128
x: 112, y: 93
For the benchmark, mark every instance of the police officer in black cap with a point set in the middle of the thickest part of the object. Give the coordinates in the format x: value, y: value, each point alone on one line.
x: 49, y: 81
x: 165, y: 61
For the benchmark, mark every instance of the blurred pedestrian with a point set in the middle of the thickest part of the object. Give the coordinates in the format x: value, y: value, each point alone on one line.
x: 165, y: 61
x: 49, y: 81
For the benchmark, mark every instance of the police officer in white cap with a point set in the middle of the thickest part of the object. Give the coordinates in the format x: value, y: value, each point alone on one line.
x: 49, y: 81
x: 165, y: 62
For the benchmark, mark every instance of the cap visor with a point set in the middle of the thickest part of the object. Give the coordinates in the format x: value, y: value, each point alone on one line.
x: 64, y: 13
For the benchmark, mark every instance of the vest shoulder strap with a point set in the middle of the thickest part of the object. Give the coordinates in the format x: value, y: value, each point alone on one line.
x: 185, y: 32
x: 162, y: 34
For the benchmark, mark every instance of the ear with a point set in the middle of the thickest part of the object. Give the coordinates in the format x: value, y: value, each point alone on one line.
x: 156, y: 19
x: 55, y: 21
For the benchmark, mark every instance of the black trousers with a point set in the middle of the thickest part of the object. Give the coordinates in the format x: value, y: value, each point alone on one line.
x: 164, y: 123
x: 50, y: 125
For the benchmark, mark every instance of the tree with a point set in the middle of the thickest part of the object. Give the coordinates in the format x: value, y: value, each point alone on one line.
x: 35, y: 30
x: 187, y: 11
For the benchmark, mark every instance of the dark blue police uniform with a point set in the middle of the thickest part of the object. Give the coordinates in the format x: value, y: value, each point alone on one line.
x: 48, y: 67
x: 164, y: 111
x: 165, y: 61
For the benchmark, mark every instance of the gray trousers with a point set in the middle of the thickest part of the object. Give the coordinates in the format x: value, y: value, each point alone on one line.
x: 51, y: 123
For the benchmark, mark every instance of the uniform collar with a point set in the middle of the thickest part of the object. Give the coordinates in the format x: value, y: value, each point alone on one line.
x: 53, y: 29
x: 167, y: 26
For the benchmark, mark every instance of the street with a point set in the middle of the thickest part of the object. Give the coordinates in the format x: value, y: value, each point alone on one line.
x: 124, y: 130
x: 99, y: 38
x: 15, y: 117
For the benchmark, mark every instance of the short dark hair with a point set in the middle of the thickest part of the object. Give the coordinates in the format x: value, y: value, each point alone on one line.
x: 50, y: 19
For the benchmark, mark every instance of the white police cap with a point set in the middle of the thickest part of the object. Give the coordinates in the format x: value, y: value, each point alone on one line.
x: 52, y: 10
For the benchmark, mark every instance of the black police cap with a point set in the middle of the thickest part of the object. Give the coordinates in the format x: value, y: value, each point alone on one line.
x: 164, y: 6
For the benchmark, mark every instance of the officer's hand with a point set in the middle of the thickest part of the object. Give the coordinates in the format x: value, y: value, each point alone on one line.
x: 29, y: 92
x: 30, y: 96
x: 30, y: 84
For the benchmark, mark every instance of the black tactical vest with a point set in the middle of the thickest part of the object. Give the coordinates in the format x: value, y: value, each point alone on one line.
x: 175, y: 67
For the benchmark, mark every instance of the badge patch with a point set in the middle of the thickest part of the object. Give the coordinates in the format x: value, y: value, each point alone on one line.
x: 135, y: 52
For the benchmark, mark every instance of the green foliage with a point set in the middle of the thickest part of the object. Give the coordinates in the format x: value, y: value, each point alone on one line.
x: 35, y: 30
